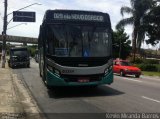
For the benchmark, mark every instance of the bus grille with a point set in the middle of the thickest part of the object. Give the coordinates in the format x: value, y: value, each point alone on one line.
x: 69, y: 78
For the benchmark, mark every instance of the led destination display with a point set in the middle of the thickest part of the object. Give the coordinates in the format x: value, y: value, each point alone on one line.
x: 79, y: 17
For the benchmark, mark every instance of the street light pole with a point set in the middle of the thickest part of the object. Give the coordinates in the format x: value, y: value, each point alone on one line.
x: 5, y: 29
x: 4, y: 34
x: 16, y: 25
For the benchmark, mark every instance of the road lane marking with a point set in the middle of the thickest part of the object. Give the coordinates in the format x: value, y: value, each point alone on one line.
x: 153, y: 78
x: 151, y: 99
x: 133, y: 80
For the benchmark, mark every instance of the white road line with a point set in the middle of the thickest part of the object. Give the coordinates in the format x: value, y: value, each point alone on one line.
x: 133, y: 80
x: 151, y: 99
x: 151, y: 78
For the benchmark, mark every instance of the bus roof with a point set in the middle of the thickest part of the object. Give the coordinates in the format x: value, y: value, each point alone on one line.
x: 53, y: 16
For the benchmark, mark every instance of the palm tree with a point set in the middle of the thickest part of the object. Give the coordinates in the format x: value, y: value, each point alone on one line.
x: 137, y: 11
x: 152, y: 24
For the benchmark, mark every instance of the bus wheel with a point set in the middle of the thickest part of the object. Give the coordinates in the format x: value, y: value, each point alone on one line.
x: 137, y: 76
x: 9, y: 65
x: 122, y: 73
x: 28, y: 66
x: 40, y: 74
x: 12, y: 66
x: 48, y: 87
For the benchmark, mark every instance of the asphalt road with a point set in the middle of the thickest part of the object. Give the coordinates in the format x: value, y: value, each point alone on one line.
x: 125, y: 95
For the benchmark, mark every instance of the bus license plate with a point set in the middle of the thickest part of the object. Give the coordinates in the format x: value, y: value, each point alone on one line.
x: 83, y: 80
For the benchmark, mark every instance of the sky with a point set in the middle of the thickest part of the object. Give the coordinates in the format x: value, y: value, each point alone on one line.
x: 112, y: 7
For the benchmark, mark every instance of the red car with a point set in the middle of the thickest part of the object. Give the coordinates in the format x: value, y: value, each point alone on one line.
x: 123, y: 67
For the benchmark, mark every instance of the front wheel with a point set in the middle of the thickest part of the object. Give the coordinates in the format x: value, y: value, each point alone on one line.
x: 28, y: 66
x: 137, y: 76
x: 9, y: 65
x: 122, y: 73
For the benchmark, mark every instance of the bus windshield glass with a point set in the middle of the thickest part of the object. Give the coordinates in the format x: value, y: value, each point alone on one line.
x: 78, y: 41
x: 19, y: 53
x: 123, y: 63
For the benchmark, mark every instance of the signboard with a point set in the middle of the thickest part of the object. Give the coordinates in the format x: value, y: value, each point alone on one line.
x: 81, y: 17
x: 24, y: 16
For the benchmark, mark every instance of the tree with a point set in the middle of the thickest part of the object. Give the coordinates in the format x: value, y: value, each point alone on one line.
x: 152, y: 24
x: 137, y: 11
x: 121, y: 44
x: 32, y: 49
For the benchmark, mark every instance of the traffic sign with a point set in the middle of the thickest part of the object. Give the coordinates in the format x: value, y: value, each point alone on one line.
x: 24, y: 16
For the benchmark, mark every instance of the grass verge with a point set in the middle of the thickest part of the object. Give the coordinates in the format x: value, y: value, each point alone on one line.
x: 151, y: 73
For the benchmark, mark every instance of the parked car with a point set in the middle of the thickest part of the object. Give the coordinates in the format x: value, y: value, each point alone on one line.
x: 19, y: 57
x: 123, y: 67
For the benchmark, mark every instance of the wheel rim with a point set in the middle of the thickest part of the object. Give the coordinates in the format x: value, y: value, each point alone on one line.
x: 121, y: 73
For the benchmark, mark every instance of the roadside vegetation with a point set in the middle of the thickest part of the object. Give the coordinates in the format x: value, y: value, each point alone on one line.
x: 32, y: 50
x: 149, y: 67
x: 144, y: 17
x: 147, y: 73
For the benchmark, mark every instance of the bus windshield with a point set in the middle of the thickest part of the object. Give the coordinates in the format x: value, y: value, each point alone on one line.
x: 19, y: 53
x: 78, y: 41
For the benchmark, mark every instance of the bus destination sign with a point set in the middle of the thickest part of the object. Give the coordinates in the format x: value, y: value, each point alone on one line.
x: 81, y: 17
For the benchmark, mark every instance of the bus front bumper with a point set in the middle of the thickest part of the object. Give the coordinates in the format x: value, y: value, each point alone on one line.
x: 20, y: 63
x: 54, y: 80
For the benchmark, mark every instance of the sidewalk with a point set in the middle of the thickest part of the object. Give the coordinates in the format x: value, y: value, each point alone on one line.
x: 15, y: 100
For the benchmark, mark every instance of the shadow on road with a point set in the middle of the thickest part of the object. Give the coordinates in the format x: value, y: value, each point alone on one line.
x: 19, y: 67
x: 72, y: 92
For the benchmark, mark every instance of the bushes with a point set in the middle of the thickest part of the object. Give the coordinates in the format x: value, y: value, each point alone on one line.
x: 146, y: 61
x: 151, y: 61
x: 149, y: 67
x: 138, y: 61
x: 148, y: 64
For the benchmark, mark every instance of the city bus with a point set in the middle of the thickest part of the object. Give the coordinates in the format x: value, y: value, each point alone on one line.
x: 75, y: 48
x: 19, y: 56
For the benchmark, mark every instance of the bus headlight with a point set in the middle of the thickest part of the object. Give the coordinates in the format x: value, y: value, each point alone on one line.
x: 53, y: 70
x: 110, y: 68
x: 107, y: 70
x: 50, y: 68
x: 57, y: 72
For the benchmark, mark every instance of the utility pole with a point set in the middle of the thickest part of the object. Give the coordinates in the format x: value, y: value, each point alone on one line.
x: 4, y: 34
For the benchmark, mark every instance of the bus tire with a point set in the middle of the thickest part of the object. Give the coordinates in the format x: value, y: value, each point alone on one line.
x: 49, y: 87
x: 28, y: 66
x: 9, y: 65
x: 40, y: 74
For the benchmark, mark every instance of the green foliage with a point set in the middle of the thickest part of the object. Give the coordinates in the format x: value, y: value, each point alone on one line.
x: 149, y: 67
x: 138, y: 61
x: 151, y: 61
x: 145, y: 17
x: 32, y: 50
x: 151, y: 73
x: 120, y: 37
x: 146, y: 61
x: 152, y: 25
